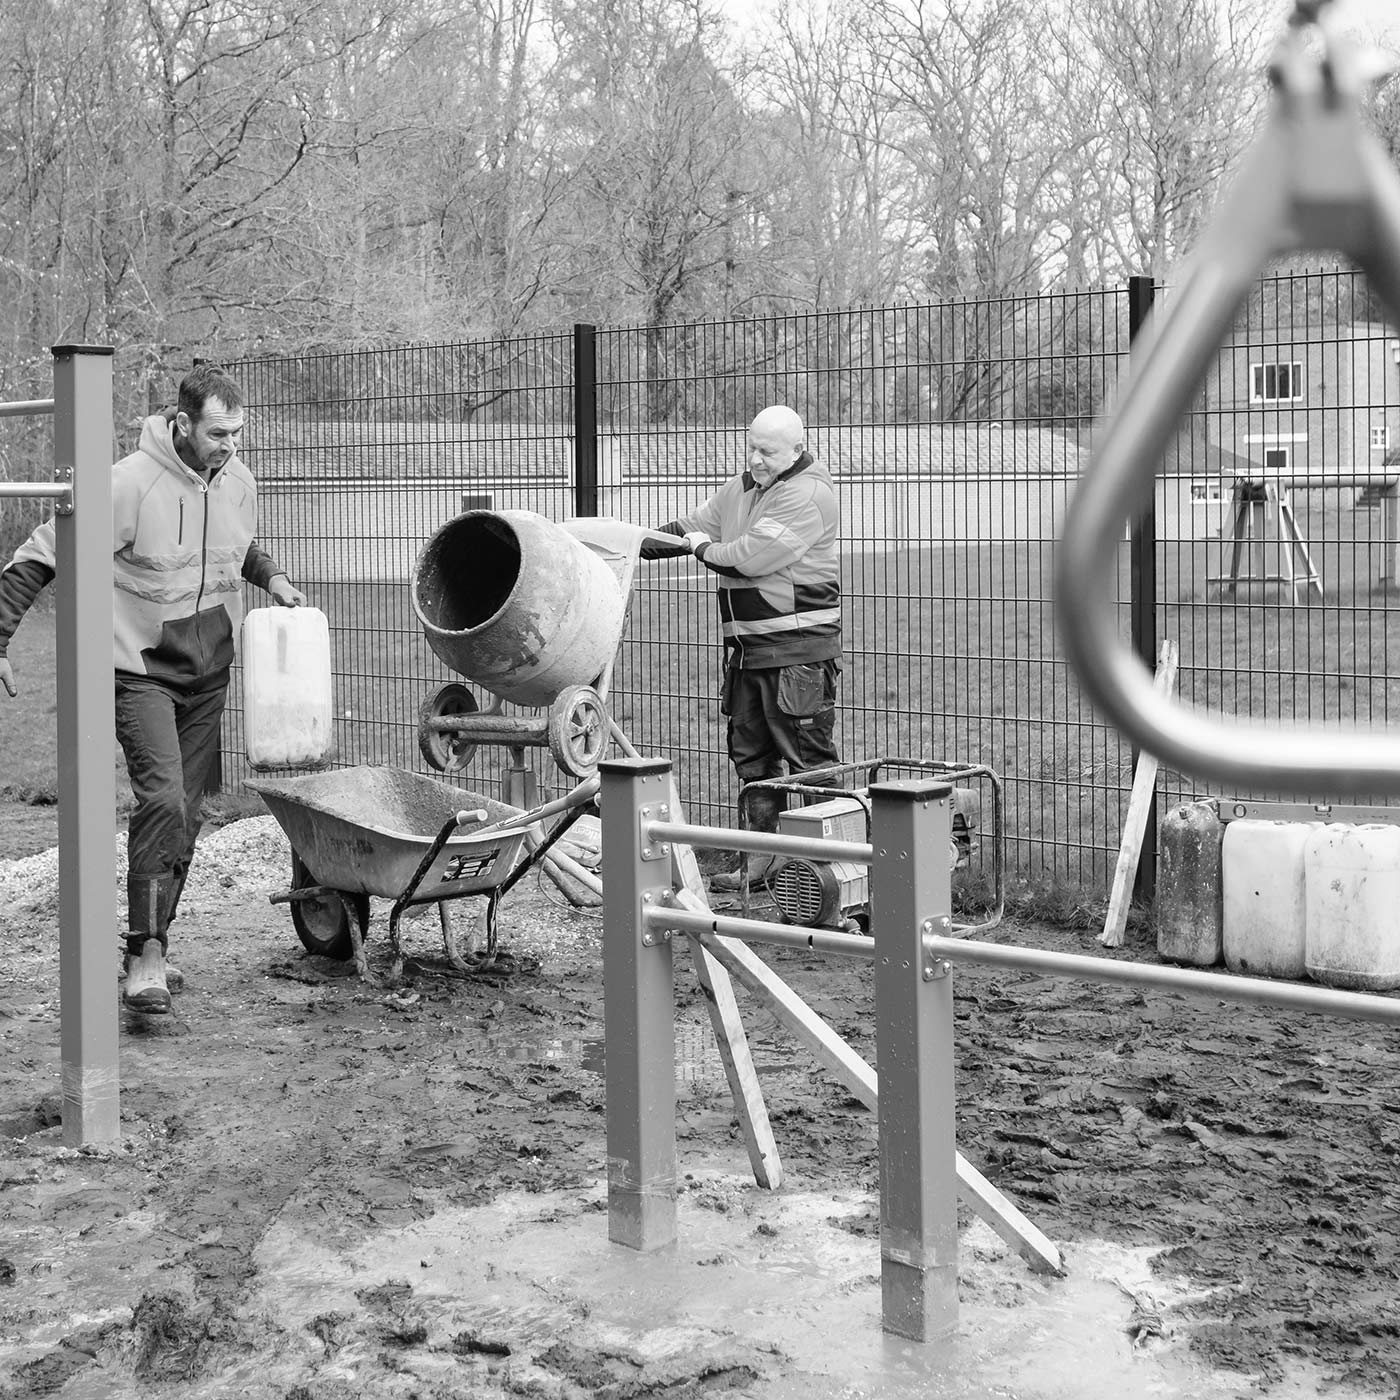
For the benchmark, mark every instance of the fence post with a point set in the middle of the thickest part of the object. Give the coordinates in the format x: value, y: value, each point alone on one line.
x: 639, y: 1036
x: 1142, y: 570
x: 86, y: 736
x: 911, y: 827
x: 585, y: 419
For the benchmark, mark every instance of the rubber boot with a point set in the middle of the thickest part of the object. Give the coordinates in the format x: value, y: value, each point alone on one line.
x: 758, y: 811
x: 146, y: 989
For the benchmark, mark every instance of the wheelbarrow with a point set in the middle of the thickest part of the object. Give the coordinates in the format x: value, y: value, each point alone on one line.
x: 358, y: 832
x: 532, y: 612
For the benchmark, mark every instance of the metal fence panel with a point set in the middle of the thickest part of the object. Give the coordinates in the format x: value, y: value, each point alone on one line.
x: 955, y: 434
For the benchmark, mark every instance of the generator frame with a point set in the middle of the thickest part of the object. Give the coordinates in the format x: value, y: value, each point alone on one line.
x: 836, y: 780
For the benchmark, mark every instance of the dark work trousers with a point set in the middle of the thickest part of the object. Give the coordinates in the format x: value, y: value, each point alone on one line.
x: 170, y: 738
x: 779, y: 715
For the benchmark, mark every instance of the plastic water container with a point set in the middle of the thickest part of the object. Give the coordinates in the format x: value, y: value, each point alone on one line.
x: 1187, y: 908
x: 286, y: 687
x: 1353, y: 906
x: 1264, y: 926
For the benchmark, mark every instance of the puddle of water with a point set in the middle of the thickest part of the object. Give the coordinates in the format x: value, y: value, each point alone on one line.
x: 530, y: 1270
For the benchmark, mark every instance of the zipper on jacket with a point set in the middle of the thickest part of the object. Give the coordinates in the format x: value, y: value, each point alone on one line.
x: 203, y: 570
x: 180, y: 533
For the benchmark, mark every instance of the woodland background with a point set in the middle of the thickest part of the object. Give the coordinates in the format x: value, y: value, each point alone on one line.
x: 263, y: 177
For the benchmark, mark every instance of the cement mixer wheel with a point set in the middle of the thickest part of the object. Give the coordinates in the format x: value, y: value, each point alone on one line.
x: 578, y: 730
x: 445, y: 752
x: 322, y: 923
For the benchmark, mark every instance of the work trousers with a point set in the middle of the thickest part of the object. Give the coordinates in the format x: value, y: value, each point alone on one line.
x: 171, y: 739
x: 779, y: 715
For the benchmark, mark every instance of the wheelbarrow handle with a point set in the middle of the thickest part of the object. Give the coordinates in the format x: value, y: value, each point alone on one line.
x: 574, y: 798
x: 1315, y: 178
x: 472, y: 816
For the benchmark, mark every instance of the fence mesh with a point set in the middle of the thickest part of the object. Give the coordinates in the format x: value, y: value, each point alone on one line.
x: 955, y: 435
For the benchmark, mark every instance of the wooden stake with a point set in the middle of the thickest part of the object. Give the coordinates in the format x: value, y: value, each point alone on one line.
x: 852, y: 1070
x: 1139, y: 805
x: 724, y: 1017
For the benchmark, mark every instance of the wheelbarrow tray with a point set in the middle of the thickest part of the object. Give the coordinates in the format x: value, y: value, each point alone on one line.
x: 367, y: 830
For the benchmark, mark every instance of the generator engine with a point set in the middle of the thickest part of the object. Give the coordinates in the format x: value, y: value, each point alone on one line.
x: 830, y: 894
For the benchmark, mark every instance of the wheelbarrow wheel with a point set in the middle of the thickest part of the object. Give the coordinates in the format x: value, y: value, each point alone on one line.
x: 445, y: 752
x: 578, y: 730
x: 321, y: 922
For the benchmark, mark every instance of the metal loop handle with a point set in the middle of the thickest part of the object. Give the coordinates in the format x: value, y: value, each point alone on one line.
x: 1316, y: 178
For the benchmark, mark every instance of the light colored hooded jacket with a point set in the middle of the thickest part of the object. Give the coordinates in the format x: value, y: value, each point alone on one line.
x: 181, y: 548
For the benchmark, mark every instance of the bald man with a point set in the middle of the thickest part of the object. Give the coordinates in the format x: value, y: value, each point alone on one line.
x: 769, y: 536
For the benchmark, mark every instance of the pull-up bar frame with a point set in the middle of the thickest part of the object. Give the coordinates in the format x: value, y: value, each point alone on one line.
x: 81, y: 408
x: 912, y: 953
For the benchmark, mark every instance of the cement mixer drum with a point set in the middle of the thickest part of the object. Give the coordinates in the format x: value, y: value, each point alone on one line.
x: 516, y: 604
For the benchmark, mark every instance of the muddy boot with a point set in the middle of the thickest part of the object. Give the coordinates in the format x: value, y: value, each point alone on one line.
x: 758, y: 867
x: 146, y: 990
x: 758, y: 811
x: 174, y: 978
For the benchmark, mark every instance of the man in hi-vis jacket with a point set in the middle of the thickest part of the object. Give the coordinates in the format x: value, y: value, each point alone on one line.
x: 769, y: 536
x: 184, y: 516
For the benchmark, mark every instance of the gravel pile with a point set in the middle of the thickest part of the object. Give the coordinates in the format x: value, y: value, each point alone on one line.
x: 242, y: 860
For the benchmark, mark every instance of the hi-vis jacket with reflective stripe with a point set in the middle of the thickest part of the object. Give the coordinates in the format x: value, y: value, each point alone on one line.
x: 774, y: 555
x: 181, y: 547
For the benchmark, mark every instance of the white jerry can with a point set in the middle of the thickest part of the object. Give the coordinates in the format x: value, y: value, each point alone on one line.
x: 1264, y: 925
x: 286, y: 687
x: 1353, y: 898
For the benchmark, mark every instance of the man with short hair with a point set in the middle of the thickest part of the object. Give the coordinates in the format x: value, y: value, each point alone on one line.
x: 769, y: 535
x: 184, y: 516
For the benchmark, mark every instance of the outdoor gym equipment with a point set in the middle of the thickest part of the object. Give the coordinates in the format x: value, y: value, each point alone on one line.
x: 653, y: 893
x: 532, y: 611
x: 81, y: 491
x: 1316, y: 178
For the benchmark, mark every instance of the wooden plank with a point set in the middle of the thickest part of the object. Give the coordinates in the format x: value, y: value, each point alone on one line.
x: 1139, y: 806
x: 725, y: 1018
x: 852, y: 1070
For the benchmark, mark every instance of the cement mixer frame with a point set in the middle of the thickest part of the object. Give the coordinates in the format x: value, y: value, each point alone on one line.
x: 540, y: 632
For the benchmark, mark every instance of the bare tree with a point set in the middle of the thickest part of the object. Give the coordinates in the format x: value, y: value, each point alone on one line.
x: 1175, y: 91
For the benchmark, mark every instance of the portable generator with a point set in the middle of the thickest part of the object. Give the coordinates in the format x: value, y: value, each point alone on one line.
x: 832, y: 894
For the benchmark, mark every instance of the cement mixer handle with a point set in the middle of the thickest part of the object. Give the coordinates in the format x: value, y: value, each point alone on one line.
x: 1316, y: 178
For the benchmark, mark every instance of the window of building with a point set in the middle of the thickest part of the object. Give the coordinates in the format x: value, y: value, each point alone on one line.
x: 1380, y: 438
x: 1277, y: 383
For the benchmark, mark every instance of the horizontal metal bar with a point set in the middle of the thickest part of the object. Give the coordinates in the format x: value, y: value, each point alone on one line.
x: 1257, y: 991
x: 816, y: 940
x: 51, y: 490
x: 732, y: 839
x: 26, y: 408
x: 1232, y: 810
x: 471, y: 725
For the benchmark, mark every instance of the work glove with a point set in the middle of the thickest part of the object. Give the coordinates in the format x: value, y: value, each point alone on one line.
x: 696, y: 541
x: 662, y: 544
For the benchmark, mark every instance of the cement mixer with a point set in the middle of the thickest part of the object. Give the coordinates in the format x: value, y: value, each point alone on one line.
x: 531, y: 611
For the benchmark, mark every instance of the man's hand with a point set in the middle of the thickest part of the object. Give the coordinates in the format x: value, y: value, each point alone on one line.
x: 7, y: 676
x: 285, y: 593
x: 695, y: 539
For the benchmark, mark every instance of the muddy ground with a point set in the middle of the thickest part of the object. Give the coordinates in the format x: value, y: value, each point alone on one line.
x: 287, y: 1101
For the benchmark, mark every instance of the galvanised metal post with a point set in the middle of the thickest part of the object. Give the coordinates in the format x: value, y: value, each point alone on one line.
x: 638, y: 1007
x: 1142, y: 602
x: 87, y: 943
x: 911, y: 828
